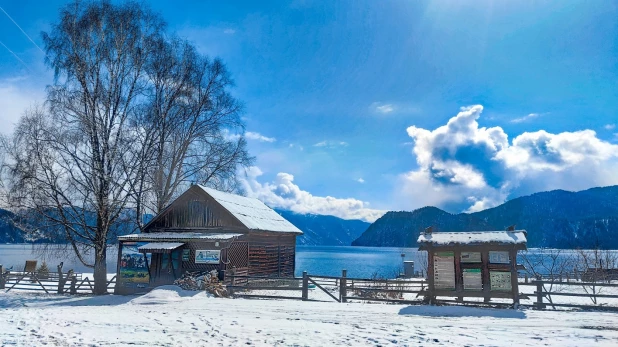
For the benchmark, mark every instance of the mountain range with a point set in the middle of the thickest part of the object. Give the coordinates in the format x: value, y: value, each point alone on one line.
x: 321, y: 230
x: 318, y: 230
x: 557, y: 219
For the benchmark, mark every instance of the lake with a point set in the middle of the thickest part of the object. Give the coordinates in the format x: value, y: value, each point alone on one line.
x: 362, y: 262
x: 319, y: 260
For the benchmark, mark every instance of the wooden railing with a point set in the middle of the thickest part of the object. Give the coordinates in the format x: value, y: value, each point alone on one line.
x: 338, y: 288
x: 70, y: 283
x: 593, y: 290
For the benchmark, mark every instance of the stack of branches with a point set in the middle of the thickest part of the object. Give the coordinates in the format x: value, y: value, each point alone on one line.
x: 208, y: 281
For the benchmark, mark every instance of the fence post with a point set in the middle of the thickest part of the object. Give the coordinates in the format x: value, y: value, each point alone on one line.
x: 305, y: 286
x: 61, y: 280
x: 526, y: 278
x: 2, y: 280
x: 539, y: 294
x: 343, y: 283
x: 73, y: 283
x: 233, y: 281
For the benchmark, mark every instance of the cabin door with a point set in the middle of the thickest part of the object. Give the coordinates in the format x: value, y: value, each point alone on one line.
x: 164, y: 268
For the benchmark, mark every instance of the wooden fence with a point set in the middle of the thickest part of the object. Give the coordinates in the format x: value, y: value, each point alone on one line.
x: 594, y: 290
x: 336, y: 288
x: 70, y: 283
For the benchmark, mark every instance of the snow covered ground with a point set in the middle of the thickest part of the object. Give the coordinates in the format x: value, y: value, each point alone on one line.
x: 170, y: 316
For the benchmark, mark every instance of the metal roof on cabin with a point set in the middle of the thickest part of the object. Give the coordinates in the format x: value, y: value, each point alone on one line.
x: 516, y: 237
x: 173, y: 236
x: 251, y: 212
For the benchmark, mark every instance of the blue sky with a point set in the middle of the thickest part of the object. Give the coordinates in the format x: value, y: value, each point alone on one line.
x: 332, y: 88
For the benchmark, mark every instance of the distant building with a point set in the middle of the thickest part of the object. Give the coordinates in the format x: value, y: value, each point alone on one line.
x: 481, y: 264
x: 202, y: 230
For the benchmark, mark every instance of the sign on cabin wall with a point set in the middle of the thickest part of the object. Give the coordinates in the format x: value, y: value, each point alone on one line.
x: 470, y: 257
x: 500, y: 280
x: 499, y: 257
x: 186, y: 254
x: 472, y: 279
x: 208, y: 256
x: 444, y: 270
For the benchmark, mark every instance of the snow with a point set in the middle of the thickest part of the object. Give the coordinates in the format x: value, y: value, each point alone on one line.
x: 171, y: 316
x: 474, y: 237
x: 177, y: 236
x: 160, y: 246
x: 251, y: 212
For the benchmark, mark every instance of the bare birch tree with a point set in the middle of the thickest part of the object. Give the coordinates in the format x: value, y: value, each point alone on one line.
x: 190, y: 110
x: 73, y: 158
x: 133, y: 116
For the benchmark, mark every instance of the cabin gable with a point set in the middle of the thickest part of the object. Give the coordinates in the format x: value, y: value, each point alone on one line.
x: 194, y: 209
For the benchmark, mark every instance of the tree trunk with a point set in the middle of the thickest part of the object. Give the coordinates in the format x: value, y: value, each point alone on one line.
x: 100, y: 269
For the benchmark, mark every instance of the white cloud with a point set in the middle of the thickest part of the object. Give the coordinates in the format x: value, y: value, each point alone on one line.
x: 610, y: 126
x: 360, y: 180
x: 284, y: 193
x: 259, y: 137
x: 463, y: 166
x: 525, y: 118
x: 331, y: 144
x: 229, y: 31
x: 250, y: 135
x: 381, y: 108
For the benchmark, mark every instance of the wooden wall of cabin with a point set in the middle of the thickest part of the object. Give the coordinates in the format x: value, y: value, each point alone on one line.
x: 272, y: 255
x: 233, y: 255
x: 193, y: 210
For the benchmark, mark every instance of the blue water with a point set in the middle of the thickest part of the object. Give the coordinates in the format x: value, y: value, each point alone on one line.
x: 317, y: 260
x: 362, y: 262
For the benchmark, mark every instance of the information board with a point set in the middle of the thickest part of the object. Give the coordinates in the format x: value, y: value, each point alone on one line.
x: 500, y: 280
x: 499, y: 257
x: 444, y: 270
x: 472, y: 279
x: 470, y: 257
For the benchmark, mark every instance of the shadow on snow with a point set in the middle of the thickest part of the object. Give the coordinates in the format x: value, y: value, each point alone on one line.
x: 461, y: 311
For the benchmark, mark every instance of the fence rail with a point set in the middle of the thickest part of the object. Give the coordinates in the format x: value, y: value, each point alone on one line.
x: 69, y: 283
x: 544, y: 295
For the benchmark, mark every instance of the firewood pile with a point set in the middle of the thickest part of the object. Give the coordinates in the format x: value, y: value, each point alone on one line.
x: 208, y: 281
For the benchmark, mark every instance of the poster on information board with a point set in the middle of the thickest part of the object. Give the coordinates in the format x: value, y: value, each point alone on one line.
x: 472, y: 279
x: 500, y: 280
x: 470, y: 257
x: 444, y: 270
x: 499, y: 257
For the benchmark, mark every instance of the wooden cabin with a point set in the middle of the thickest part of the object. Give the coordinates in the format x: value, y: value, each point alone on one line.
x: 202, y: 230
x: 481, y: 264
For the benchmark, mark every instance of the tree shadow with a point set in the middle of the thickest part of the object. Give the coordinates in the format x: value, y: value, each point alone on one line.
x: 461, y: 311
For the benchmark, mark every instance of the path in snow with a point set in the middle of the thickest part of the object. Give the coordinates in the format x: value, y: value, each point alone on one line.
x: 169, y: 316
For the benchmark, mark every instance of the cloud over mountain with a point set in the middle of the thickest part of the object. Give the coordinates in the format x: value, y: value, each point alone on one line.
x: 463, y: 166
x: 284, y: 193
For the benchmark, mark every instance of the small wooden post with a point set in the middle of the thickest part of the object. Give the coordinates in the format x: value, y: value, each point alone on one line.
x: 526, y: 278
x: 514, y: 275
x: 567, y: 277
x: 430, y: 296
x: 2, y: 279
x: 233, y: 281
x: 305, y: 286
x: 539, y: 294
x: 61, y: 280
x: 73, y: 290
x: 343, y: 290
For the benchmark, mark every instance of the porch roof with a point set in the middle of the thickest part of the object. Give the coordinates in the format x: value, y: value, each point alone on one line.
x: 159, y: 247
x: 185, y: 237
